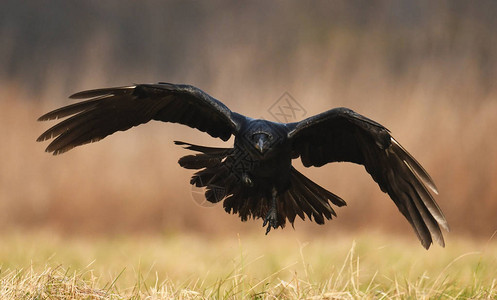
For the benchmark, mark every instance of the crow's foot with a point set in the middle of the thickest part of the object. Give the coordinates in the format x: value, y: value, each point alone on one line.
x: 271, y: 220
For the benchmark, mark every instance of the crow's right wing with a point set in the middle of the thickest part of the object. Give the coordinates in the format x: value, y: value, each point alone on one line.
x: 117, y: 109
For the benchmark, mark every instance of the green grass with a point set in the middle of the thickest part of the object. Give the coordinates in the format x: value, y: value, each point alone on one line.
x: 282, y: 265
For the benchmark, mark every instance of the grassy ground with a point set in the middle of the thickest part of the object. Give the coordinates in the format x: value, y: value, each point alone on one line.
x: 283, y: 265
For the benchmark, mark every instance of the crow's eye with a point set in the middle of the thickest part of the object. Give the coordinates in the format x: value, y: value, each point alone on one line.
x: 257, y: 136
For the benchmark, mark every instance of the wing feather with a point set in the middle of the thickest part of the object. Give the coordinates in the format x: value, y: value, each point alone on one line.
x: 343, y: 135
x: 108, y: 110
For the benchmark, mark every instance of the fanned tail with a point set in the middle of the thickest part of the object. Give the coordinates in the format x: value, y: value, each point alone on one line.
x: 303, y: 197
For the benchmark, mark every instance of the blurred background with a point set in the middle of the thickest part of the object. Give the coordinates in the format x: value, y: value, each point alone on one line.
x: 425, y: 69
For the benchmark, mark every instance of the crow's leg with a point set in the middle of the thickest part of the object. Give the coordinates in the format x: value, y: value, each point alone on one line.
x: 272, y: 214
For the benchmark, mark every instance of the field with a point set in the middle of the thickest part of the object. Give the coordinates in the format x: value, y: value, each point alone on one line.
x: 286, y: 266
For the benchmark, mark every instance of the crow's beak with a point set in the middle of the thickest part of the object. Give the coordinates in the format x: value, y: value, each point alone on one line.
x: 260, y: 145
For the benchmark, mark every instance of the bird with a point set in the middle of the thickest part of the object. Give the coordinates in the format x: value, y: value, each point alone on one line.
x: 255, y: 178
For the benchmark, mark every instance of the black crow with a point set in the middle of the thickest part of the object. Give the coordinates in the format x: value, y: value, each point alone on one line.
x: 255, y: 178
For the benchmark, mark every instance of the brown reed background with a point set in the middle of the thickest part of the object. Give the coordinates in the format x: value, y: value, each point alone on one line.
x: 425, y: 69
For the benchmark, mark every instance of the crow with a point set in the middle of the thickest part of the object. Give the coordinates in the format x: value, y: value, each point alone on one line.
x: 255, y: 178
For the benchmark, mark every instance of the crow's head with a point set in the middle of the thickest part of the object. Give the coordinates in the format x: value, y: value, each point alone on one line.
x: 263, y: 138
x: 261, y: 141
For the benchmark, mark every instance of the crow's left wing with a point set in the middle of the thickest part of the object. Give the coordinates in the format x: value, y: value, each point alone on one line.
x: 341, y: 134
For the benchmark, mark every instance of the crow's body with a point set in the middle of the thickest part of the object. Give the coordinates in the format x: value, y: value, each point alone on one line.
x: 255, y: 177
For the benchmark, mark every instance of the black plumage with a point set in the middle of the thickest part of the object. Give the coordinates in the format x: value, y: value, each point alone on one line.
x: 255, y: 178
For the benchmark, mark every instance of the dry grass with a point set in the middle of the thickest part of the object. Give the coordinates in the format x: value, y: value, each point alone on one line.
x: 41, y: 266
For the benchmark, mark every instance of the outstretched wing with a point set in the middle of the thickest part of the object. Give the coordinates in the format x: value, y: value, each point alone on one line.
x: 108, y: 110
x: 341, y: 134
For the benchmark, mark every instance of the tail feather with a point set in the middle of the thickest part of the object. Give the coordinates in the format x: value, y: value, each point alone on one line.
x: 312, y: 195
x: 307, y: 200
x: 212, y: 174
x: 203, y: 149
x: 208, y: 158
x: 318, y: 189
x: 290, y: 205
x: 304, y: 197
x: 302, y: 203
